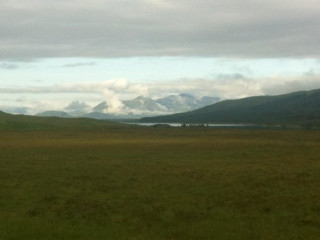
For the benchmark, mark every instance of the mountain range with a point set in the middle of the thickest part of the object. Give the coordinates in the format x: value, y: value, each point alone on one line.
x: 295, y: 108
x: 298, y: 108
x: 135, y: 108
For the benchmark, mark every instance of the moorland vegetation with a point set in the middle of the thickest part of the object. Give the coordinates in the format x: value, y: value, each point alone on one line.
x: 85, y: 179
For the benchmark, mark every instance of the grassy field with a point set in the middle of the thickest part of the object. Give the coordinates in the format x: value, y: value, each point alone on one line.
x: 165, y: 183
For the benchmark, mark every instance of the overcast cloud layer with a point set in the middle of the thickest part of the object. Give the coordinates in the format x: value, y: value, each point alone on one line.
x: 112, y: 28
x: 275, y: 41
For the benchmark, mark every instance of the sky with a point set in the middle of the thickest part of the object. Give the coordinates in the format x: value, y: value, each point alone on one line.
x: 53, y: 53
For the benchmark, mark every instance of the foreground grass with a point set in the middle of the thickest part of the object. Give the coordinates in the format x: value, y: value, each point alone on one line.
x: 147, y: 183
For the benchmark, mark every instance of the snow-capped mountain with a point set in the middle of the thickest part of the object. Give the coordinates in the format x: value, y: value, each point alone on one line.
x: 137, y: 107
x: 101, y: 107
x: 185, y: 102
x: 144, y: 104
x: 205, y: 101
x: 77, y: 108
x: 171, y: 104
x: 139, y: 104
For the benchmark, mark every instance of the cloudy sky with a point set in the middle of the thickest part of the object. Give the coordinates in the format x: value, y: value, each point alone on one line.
x: 56, y: 52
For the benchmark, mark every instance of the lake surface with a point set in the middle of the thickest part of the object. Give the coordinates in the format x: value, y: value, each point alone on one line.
x: 217, y: 125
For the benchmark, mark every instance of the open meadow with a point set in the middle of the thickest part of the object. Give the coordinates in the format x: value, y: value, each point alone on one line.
x: 159, y: 183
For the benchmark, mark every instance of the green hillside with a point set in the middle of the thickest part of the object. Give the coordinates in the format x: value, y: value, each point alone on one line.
x: 294, y: 108
x: 23, y: 122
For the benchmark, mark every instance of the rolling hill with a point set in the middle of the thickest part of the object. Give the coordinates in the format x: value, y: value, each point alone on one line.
x: 294, y: 108
x: 53, y: 114
x: 24, y: 122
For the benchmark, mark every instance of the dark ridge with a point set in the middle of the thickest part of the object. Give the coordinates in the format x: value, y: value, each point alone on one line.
x: 294, y: 108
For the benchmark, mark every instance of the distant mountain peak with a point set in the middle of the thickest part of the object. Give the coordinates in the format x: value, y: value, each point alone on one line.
x: 142, y: 97
x: 140, y: 106
x: 60, y: 114
x: 100, y: 107
x: 143, y: 103
x: 186, y: 95
x: 184, y: 102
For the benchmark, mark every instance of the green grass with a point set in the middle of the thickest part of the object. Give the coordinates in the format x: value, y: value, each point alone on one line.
x: 149, y: 183
x: 9, y: 122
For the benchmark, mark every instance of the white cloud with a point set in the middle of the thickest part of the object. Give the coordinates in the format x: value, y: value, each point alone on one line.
x: 226, y: 89
x: 80, y: 64
x: 274, y: 86
x: 36, y: 99
x: 160, y: 3
x: 113, y: 28
x: 8, y: 66
x: 114, y: 103
x: 138, y: 89
x: 78, y: 106
x: 225, y: 86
